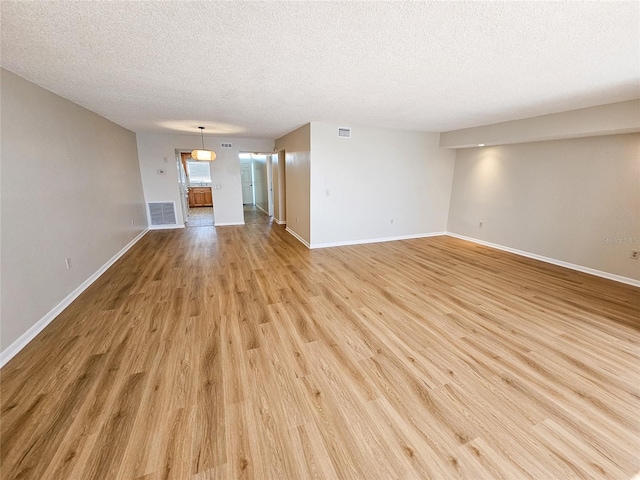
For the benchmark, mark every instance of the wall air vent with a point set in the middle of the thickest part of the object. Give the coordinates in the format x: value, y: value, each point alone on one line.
x: 344, y: 132
x: 162, y: 213
x: 225, y: 145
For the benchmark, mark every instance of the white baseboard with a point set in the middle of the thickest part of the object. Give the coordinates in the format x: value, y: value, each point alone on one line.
x: 280, y: 222
x: 165, y: 227
x: 227, y: 224
x: 261, y: 209
x: 22, y: 341
x: 377, y: 240
x: 572, y: 266
x: 298, y: 237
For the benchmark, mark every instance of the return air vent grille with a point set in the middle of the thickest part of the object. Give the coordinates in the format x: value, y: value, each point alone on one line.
x: 225, y: 145
x: 344, y: 132
x: 162, y: 213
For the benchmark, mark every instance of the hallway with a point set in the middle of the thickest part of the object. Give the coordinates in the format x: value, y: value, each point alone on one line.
x: 253, y: 215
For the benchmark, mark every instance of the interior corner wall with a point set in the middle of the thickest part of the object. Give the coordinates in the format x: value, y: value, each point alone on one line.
x: 157, y: 151
x: 574, y: 200
x: 297, y: 147
x: 70, y: 188
x: 275, y: 188
x: 379, y: 184
x: 279, y: 187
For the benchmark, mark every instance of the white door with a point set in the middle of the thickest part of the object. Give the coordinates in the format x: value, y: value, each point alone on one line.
x: 247, y: 183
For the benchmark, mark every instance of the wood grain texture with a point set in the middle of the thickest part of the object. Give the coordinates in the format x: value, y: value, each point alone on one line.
x: 236, y: 353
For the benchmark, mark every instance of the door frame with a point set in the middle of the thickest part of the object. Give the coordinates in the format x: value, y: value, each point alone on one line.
x: 183, y: 184
x: 270, y: 184
x: 181, y: 162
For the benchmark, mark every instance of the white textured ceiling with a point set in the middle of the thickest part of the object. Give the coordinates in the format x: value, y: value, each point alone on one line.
x: 261, y: 69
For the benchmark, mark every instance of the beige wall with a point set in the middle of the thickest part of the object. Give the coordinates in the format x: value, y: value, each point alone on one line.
x: 70, y: 187
x: 574, y: 200
x: 297, y: 146
x: 614, y: 118
x: 279, y: 187
x: 275, y: 186
x: 379, y: 184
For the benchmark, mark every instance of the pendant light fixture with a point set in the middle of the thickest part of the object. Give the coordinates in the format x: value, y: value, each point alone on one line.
x: 203, y: 155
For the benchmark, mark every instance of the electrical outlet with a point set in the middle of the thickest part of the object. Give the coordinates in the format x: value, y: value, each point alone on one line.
x: 635, y: 254
x: 132, y: 222
x: 67, y: 262
x: 480, y: 224
x: 297, y: 220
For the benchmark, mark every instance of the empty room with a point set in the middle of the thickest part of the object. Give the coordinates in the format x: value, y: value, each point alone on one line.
x: 320, y: 240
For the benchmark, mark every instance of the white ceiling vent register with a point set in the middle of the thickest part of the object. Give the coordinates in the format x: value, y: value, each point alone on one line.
x: 225, y: 145
x: 162, y: 213
x: 344, y: 132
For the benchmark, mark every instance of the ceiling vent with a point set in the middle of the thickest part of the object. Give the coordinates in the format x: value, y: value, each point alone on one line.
x: 162, y: 213
x: 225, y: 145
x: 344, y: 132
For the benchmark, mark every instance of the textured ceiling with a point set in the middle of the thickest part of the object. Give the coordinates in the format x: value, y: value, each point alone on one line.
x: 261, y: 69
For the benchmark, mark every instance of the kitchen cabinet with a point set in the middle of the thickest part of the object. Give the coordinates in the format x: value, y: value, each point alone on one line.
x: 200, y: 197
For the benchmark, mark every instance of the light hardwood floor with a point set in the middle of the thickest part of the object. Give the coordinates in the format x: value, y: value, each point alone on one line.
x: 237, y: 353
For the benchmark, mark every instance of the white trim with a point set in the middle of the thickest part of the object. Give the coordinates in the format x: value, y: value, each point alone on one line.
x: 165, y: 227
x: 261, y: 209
x: 280, y: 222
x: 298, y: 237
x: 22, y: 341
x: 377, y: 240
x: 572, y: 266
x: 227, y: 224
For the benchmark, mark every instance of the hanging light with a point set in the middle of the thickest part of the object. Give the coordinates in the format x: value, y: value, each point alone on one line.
x: 203, y: 155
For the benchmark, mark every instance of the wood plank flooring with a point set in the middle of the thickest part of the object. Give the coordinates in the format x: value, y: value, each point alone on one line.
x: 236, y: 352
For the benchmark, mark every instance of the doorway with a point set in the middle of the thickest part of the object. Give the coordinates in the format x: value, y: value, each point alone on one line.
x: 257, y: 184
x: 195, y: 191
